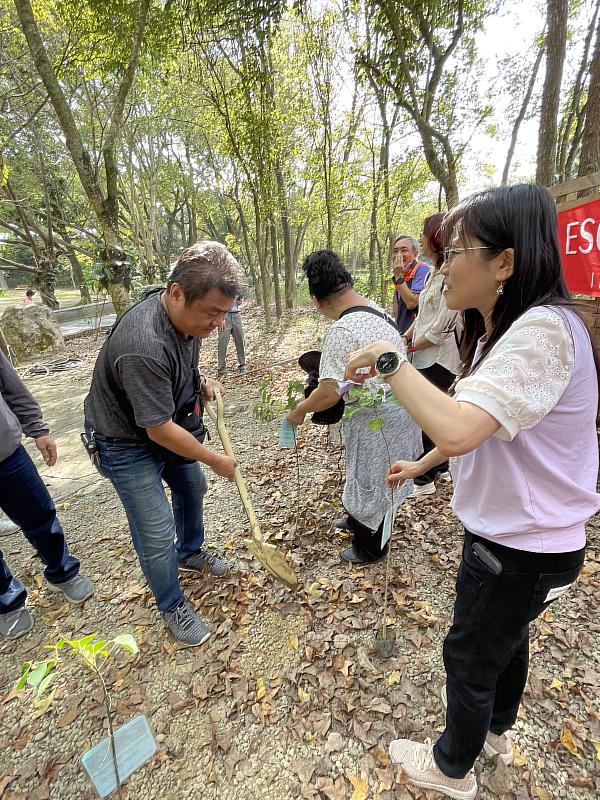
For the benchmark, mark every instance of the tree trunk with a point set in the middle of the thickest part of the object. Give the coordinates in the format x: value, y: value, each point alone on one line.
x: 556, y: 41
x: 290, y: 271
x: 275, y: 263
x: 589, y: 159
x: 116, y: 271
x: 44, y: 279
x: 521, y: 115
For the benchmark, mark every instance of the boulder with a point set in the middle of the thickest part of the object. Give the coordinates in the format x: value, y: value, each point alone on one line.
x: 29, y: 330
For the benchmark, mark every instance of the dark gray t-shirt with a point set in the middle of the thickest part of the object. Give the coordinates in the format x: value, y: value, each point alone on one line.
x: 152, y: 364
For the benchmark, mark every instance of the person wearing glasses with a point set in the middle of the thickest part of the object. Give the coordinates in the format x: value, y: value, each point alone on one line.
x: 435, y: 336
x: 521, y: 430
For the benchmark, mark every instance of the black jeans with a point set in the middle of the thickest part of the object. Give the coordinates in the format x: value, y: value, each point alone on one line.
x: 486, y: 651
x: 443, y: 379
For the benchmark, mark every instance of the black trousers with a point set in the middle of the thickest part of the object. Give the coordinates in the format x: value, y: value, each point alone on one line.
x: 486, y: 651
x: 366, y: 541
x: 443, y: 379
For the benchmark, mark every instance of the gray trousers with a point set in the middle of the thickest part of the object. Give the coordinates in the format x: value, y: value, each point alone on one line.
x: 233, y: 327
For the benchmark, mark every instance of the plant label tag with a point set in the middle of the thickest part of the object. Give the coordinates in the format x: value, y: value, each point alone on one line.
x: 134, y: 745
x: 388, y: 523
x: 287, y: 434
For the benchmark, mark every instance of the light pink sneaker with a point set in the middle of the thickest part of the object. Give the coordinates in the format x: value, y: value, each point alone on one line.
x: 494, y: 745
x: 418, y: 763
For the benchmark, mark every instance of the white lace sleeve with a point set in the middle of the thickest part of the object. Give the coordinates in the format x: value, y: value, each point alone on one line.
x: 526, y: 372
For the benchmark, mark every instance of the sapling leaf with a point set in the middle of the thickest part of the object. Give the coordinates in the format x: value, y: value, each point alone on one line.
x: 45, y: 683
x: 127, y: 642
x: 25, y: 670
x: 376, y: 424
x: 39, y: 672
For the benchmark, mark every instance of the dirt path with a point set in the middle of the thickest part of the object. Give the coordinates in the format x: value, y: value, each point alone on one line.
x: 287, y: 699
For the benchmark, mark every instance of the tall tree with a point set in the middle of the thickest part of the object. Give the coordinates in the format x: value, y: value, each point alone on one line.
x: 589, y: 159
x: 557, y: 12
x: 103, y: 200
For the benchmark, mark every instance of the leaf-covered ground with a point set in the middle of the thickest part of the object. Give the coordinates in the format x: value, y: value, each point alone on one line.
x: 287, y: 699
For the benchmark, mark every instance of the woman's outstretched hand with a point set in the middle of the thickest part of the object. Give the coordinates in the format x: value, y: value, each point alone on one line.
x: 402, y: 471
x: 364, y: 360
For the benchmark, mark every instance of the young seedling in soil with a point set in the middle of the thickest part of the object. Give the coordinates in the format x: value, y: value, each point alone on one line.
x: 93, y: 654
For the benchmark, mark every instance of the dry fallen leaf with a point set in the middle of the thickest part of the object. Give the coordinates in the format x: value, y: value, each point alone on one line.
x: 361, y: 786
x: 596, y: 747
x: 260, y: 688
x: 540, y: 793
x: 566, y: 739
x: 292, y: 642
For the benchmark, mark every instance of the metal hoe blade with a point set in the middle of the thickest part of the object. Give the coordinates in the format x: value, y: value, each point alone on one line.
x: 269, y: 556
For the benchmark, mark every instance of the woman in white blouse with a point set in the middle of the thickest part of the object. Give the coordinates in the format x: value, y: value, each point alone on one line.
x: 521, y: 428
x: 435, y: 335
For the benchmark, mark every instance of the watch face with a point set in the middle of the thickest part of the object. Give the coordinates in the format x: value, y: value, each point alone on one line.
x: 387, y: 362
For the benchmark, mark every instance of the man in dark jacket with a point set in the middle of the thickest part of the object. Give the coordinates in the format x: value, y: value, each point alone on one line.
x: 25, y: 499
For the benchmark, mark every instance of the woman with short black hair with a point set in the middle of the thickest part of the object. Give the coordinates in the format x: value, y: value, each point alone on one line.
x: 521, y: 428
x: 357, y: 322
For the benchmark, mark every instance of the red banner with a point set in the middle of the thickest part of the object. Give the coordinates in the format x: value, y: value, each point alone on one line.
x: 579, y: 239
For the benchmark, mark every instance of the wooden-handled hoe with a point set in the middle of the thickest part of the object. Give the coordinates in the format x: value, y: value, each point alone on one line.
x: 268, y: 555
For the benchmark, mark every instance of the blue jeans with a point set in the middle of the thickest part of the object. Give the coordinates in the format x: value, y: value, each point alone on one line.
x: 25, y: 499
x: 161, y: 536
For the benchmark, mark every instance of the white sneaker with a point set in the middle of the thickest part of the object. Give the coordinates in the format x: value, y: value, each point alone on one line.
x: 418, y: 763
x: 421, y: 491
x: 445, y: 476
x: 494, y: 745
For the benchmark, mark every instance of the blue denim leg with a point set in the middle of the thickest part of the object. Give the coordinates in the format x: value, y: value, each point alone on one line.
x: 25, y: 499
x: 188, y: 487
x: 137, y: 477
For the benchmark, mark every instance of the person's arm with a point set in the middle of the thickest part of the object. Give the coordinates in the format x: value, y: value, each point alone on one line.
x: 21, y: 402
x: 175, y: 438
x: 402, y: 471
x: 492, y: 398
x: 411, y: 299
x: 408, y: 333
x: 422, y: 343
x: 324, y: 396
x: 456, y: 428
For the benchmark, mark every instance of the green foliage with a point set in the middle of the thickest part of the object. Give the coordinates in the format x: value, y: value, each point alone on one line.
x: 264, y: 409
x: 92, y: 652
x: 294, y: 393
x: 267, y: 407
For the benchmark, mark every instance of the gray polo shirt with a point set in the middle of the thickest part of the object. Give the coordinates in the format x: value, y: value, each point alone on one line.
x: 19, y: 412
x: 152, y: 365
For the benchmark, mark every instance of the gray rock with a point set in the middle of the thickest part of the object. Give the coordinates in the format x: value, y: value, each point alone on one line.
x: 29, y: 330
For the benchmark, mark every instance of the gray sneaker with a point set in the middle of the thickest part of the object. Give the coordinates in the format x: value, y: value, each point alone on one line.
x: 16, y: 623
x: 204, y: 561
x: 186, y: 626
x: 8, y: 527
x: 77, y: 590
x: 242, y: 369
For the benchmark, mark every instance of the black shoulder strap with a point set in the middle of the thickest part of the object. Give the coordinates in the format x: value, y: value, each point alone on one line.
x: 370, y: 310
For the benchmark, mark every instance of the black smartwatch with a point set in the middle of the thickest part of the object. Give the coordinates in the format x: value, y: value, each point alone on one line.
x: 389, y: 363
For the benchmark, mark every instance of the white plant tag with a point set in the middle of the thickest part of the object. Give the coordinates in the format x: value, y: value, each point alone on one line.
x: 388, y: 523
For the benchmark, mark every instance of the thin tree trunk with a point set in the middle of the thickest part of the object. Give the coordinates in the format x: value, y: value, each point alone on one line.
x: 556, y: 41
x: 275, y: 263
x: 521, y: 115
x: 589, y: 160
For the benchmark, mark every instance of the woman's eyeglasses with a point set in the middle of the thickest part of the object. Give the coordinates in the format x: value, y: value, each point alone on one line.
x: 450, y: 252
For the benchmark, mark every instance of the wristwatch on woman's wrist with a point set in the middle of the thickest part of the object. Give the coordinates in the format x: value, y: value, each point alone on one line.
x: 389, y: 363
